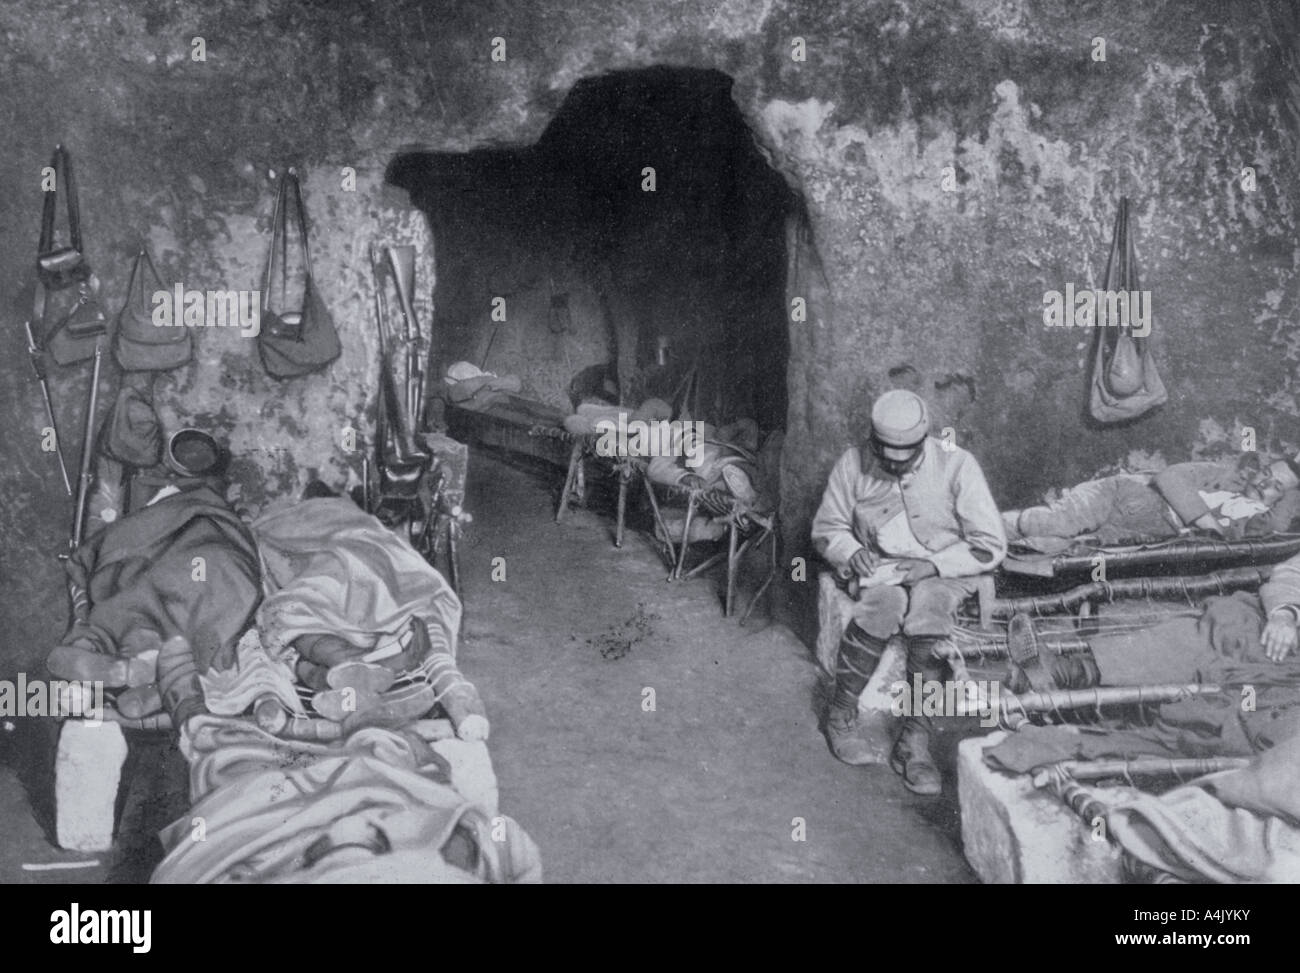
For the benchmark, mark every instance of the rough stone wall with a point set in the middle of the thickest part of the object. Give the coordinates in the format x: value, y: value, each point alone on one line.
x: 1042, y: 138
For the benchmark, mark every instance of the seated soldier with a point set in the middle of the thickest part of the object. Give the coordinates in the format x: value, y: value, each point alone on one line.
x: 1230, y: 500
x: 915, y: 520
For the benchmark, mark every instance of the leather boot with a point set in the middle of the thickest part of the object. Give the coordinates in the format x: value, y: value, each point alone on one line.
x: 1076, y: 670
x: 911, y: 757
x: 1034, y: 665
x: 178, y: 681
x: 1026, y: 652
x: 857, y: 658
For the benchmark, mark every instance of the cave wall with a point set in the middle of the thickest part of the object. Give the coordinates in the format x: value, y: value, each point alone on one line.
x: 1043, y: 140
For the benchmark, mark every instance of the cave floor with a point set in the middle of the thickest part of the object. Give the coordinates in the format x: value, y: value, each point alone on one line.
x: 706, y: 787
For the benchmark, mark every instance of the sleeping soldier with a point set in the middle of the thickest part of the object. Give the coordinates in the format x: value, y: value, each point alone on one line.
x: 1227, y: 499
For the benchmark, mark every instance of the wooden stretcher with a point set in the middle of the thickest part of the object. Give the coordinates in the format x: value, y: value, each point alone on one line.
x: 514, y: 424
x: 1176, y: 588
x: 1181, y: 555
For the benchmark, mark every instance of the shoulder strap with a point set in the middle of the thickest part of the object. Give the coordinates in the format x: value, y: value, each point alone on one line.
x: 1131, y: 281
x: 61, y: 163
x: 1117, y: 260
x: 1106, y: 339
x: 302, y: 218
x: 141, y: 263
x: 280, y: 232
x: 277, y: 217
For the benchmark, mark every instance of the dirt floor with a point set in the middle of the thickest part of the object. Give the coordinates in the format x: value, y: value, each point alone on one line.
x: 708, y: 784
x: 707, y: 787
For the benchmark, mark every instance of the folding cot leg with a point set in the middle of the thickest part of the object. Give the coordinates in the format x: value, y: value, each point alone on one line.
x: 574, y: 458
x: 986, y: 593
x: 770, y: 536
x: 623, y: 477
x: 731, y: 567
x: 453, y: 559
x: 686, y: 536
x: 663, y: 528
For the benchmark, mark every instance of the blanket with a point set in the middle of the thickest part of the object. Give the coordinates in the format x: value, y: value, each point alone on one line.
x: 329, y: 567
x: 377, y: 807
x: 1234, y: 826
x: 185, y: 566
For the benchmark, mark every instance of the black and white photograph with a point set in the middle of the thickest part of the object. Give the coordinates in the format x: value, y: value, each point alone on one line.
x: 650, y: 442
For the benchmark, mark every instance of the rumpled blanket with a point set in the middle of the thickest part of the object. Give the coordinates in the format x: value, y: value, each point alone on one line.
x: 1234, y: 826
x: 472, y: 388
x: 376, y: 807
x: 330, y: 567
x: 1194, y: 837
x: 185, y: 565
x: 1030, y: 747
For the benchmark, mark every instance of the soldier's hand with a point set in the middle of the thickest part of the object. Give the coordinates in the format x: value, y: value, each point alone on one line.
x: 863, y: 563
x: 1279, y: 638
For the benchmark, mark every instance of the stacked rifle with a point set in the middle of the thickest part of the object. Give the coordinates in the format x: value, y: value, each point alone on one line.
x: 67, y: 324
x: 405, y: 489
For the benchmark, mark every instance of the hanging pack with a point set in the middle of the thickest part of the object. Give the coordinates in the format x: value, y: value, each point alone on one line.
x: 132, y: 432
x: 1125, y: 383
x: 66, y: 303
x: 295, y: 338
x: 61, y: 265
x: 142, y: 346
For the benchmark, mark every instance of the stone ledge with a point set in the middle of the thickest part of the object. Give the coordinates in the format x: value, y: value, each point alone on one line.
x: 87, y: 771
x: 1013, y: 833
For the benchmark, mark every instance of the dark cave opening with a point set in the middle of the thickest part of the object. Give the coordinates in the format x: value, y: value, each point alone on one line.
x: 608, y: 287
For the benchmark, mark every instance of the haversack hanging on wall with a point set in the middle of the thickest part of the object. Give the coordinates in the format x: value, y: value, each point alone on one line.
x: 141, y: 346
x: 1125, y: 383
x: 296, y: 338
x: 67, y: 293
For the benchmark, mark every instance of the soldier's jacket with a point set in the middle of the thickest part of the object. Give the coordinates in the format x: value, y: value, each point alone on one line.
x: 1181, y: 486
x: 946, y: 500
x: 1282, y: 590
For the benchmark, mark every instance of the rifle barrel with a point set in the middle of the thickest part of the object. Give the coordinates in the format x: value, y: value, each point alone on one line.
x: 39, y: 368
x: 87, y: 449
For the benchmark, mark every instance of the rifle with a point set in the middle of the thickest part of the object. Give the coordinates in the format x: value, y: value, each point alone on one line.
x: 402, y: 260
x: 37, y: 357
x: 399, y: 462
x: 87, y: 449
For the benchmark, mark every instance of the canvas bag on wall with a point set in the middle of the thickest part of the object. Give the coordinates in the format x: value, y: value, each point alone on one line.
x: 66, y: 303
x: 141, y: 346
x: 296, y: 338
x: 1125, y: 383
